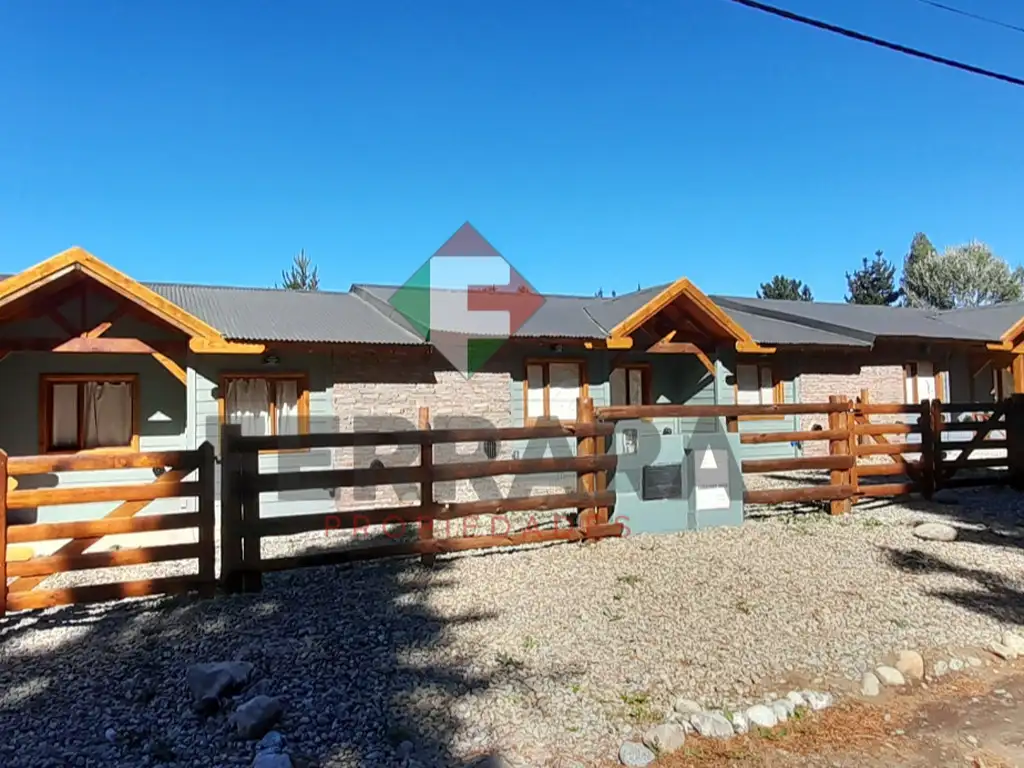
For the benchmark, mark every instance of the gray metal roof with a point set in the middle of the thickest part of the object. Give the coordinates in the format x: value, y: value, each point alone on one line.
x: 558, y: 316
x: 266, y: 314
x: 993, y: 321
x: 857, y: 321
x: 767, y: 330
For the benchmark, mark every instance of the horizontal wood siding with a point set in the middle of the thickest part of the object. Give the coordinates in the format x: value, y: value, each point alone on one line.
x: 207, y: 371
x: 726, y: 393
x: 162, y: 425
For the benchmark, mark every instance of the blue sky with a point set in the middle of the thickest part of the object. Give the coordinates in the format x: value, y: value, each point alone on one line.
x: 595, y: 144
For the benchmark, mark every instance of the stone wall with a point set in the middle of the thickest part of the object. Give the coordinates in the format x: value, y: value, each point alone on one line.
x: 383, y: 389
x: 885, y: 382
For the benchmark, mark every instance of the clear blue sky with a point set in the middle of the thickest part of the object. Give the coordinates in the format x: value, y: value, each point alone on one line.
x: 595, y: 144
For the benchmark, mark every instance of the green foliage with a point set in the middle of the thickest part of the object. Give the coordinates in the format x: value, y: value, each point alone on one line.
x: 968, y: 275
x: 874, y: 283
x: 302, y: 275
x: 781, y: 287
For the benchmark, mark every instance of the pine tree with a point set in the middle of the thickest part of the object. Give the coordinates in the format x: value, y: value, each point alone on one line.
x: 302, y: 275
x: 874, y: 283
x: 781, y: 287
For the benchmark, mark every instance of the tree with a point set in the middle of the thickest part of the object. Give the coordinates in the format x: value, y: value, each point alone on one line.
x: 916, y: 272
x: 874, y: 283
x: 782, y: 287
x: 302, y: 276
x: 968, y: 275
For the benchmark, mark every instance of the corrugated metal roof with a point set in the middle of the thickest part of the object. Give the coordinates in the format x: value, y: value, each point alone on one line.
x: 856, y: 320
x: 558, y: 316
x: 767, y: 330
x: 266, y: 314
x: 993, y: 321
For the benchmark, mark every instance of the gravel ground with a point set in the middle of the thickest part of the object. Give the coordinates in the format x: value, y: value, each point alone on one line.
x: 547, y: 655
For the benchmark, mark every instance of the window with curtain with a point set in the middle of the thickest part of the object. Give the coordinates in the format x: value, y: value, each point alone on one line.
x: 921, y: 382
x: 89, y: 412
x: 552, y: 388
x: 267, y: 405
x: 631, y: 385
x: 755, y: 385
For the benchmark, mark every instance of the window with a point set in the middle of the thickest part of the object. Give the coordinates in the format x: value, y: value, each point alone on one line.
x: 631, y: 385
x: 88, y: 412
x: 552, y: 388
x: 755, y: 385
x: 266, y: 404
x: 921, y: 382
x: 1002, y: 383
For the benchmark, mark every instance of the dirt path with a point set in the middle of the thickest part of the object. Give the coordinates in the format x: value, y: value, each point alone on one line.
x: 973, y: 719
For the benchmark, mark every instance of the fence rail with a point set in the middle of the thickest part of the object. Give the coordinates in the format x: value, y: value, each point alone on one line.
x: 21, y: 578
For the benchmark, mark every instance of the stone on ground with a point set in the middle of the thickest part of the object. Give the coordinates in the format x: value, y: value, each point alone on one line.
x: 1002, y: 651
x: 762, y: 716
x: 211, y: 680
x: 911, y: 665
x: 782, y: 709
x: 796, y: 699
x: 870, y: 684
x: 687, y: 707
x: 740, y: 724
x: 890, y: 676
x: 270, y: 759
x: 935, y: 532
x: 818, y: 701
x: 712, y: 725
x: 256, y: 716
x: 634, y: 754
x: 1014, y: 642
x: 665, y: 738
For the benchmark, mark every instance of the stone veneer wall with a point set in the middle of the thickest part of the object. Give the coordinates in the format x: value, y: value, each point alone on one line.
x: 885, y: 383
x: 383, y: 389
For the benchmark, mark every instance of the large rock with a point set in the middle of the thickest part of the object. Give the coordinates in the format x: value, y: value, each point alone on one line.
x: 712, y: 725
x: 270, y: 759
x: 796, y: 699
x: 818, y: 701
x: 935, y: 532
x: 911, y: 665
x: 890, y: 676
x: 209, y: 681
x: 762, y: 716
x: 1014, y: 642
x: 256, y: 716
x: 665, y: 738
x: 870, y: 685
x: 636, y: 755
x: 687, y: 706
x: 740, y: 724
x: 1003, y: 651
x: 782, y: 709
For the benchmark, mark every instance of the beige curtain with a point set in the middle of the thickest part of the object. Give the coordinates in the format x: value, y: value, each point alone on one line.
x: 248, y: 404
x: 287, y: 407
x: 108, y: 414
x: 64, y: 417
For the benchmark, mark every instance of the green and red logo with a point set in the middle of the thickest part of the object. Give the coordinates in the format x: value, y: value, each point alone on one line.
x: 467, y: 300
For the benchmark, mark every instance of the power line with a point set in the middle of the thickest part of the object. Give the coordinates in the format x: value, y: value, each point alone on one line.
x: 968, y: 14
x: 789, y: 15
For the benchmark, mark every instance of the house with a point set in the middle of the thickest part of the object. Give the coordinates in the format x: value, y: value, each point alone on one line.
x: 92, y: 359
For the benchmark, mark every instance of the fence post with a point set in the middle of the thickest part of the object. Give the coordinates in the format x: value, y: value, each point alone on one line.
x: 1015, y: 441
x: 426, y: 487
x: 3, y: 533
x: 937, y: 426
x: 207, y: 522
x: 838, y: 447
x: 230, y: 510
x: 252, y: 568
x: 586, y: 482
x: 852, y: 442
x: 928, y: 461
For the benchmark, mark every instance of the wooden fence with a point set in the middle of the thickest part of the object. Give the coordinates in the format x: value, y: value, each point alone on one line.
x: 172, y: 469
x: 243, y: 528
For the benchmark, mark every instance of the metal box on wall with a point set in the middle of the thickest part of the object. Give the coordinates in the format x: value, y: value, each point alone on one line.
x: 716, y: 480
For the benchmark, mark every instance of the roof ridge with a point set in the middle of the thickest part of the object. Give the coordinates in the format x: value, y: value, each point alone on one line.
x: 262, y: 289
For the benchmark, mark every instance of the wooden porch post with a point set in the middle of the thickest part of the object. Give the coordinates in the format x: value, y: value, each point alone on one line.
x: 3, y: 532
x: 1018, y: 373
x: 427, y: 507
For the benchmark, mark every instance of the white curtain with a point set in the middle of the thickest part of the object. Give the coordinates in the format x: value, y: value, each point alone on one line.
x: 627, y: 386
x: 617, y: 381
x: 535, y: 391
x: 636, y: 386
x: 767, y: 398
x: 748, y: 389
x: 287, y: 399
x: 563, y: 390
x: 108, y: 414
x: 64, y: 417
x: 248, y: 404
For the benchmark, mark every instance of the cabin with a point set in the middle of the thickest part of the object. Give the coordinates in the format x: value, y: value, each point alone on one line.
x: 93, y: 360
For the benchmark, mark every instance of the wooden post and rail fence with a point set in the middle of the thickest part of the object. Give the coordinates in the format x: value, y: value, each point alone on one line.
x: 922, y: 448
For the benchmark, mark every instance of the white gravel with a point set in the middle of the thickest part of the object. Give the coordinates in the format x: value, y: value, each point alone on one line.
x: 547, y: 654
